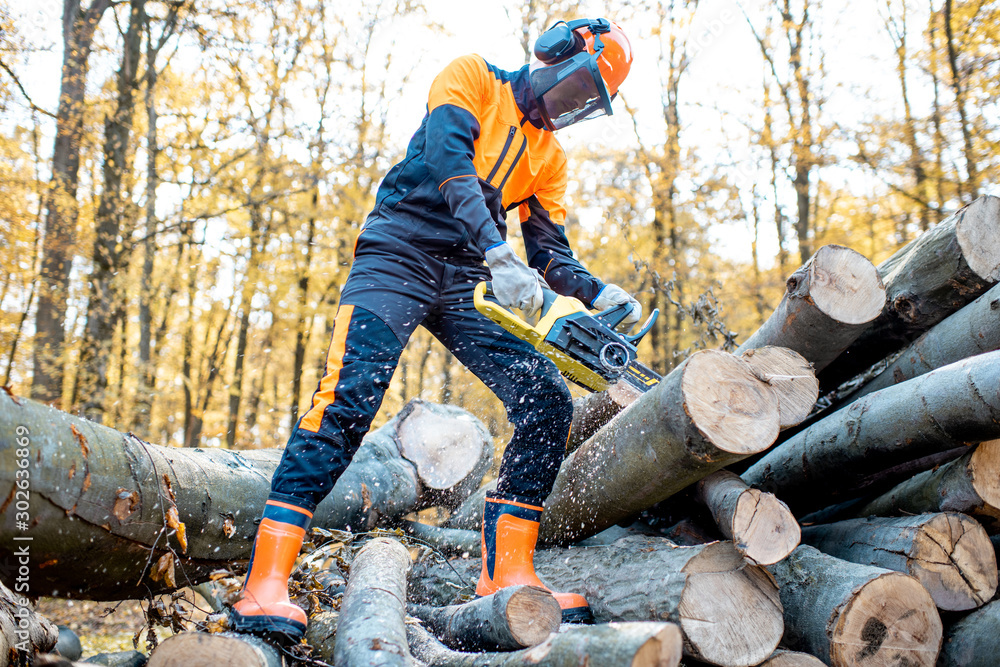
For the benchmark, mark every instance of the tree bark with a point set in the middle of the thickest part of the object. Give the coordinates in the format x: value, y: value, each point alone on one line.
x: 708, y: 412
x: 590, y: 413
x: 933, y: 276
x: 105, y: 300
x: 105, y: 506
x: 938, y: 411
x: 200, y: 649
x: 78, y: 28
x: 727, y: 609
x: 23, y: 633
x: 761, y: 527
x: 973, y: 330
x: 372, y: 628
x: 627, y: 644
x: 851, y: 615
x: 828, y: 302
x: 949, y: 554
x: 970, y: 484
x: 510, y: 619
x: 972, y: 641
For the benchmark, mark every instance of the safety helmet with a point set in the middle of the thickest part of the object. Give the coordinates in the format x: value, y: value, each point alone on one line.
x: 583, y: 64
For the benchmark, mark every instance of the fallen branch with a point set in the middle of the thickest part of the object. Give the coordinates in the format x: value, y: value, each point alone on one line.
x: 372, y: 628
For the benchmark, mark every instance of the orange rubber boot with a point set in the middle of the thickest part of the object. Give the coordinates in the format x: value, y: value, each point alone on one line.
x: 510, y: 532
x: 264, y: 608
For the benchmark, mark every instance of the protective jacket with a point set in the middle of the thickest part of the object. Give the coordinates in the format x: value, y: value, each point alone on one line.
x: 479, y: 152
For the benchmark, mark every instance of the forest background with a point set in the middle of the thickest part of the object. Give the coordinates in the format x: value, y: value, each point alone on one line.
x: 182, y: 182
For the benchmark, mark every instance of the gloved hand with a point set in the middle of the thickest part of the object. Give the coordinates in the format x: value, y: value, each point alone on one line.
x: 613, y: 295
x: 514, y: 284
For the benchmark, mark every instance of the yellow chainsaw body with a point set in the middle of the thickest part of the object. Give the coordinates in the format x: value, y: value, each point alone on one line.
x: 554, y: 309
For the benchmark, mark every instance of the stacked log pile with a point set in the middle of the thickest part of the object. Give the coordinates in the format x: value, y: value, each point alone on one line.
x: 818, y: 497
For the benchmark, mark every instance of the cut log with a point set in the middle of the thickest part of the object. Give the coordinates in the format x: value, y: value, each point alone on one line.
x: 948, y: 553
x: 105, y: 506
x: 708, y: 412
x: 510, y: 619
x: 23, y: 633
x: 931, y: 277
x: 761, y: 527
x: 828, y: 302
x: 626, y: 644
x: 200, y: 649
x: 791, y: 377
x: 941, y: 410
x: 449, y: 541
x: 372, y: 627
x: 728, y: 610
x: 973, y: 330
x: 852, y: 615
x: 970, y: 484
x: 972, y: 641
x: 783, y: 658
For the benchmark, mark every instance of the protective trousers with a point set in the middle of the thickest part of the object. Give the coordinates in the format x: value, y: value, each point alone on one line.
x: 392, y: 288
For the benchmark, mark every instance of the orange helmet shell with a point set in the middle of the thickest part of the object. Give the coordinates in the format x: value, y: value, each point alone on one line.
x: 615, y: 60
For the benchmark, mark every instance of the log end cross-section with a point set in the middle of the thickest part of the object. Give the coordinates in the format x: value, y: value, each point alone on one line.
x: 890, y: 620
x: 844, y: 285
x: 979, y: 237
x: 728, y: 404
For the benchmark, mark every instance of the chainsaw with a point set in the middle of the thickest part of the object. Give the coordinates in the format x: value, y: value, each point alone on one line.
x: 584, y: 346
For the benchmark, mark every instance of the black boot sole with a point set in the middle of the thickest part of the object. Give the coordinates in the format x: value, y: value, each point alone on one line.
x: 276, y: 629
x: 578, y: 616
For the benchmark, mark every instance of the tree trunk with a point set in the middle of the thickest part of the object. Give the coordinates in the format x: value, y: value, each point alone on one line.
x: 23, y: 633
x: 469, y: 515
x: 708, y: 412
x: 200, y: 649
x: 626, y: 644
x: 105, y: 506
x: 938, y: 411
x: 372, y: 629
x: 60, y: 201
x: 761, y: 527
x: 973, y: 330
x: 970, y: 484
x: 828, y: 302
x: 727, y: 609
x: 590, y: 413
x: 933, y: 276
x: 510, y: 619
x: 113, y: 207
x: 855, y: 615
x: 972, y: 641
x: 949, y: 554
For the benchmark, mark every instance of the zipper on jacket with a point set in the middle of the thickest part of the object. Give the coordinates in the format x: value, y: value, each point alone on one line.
x: 520, y: 152
x: 503, y: 154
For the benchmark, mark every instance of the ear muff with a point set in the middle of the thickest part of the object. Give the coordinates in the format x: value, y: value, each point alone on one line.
x: 556, y: 43
x: 561, y: 40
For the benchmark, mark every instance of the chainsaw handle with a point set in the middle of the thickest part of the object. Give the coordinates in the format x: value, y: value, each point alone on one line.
x: 486, y: 303
x: 548, y: 296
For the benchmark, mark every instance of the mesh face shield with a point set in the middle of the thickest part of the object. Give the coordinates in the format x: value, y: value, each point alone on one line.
x: 570, y: 91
